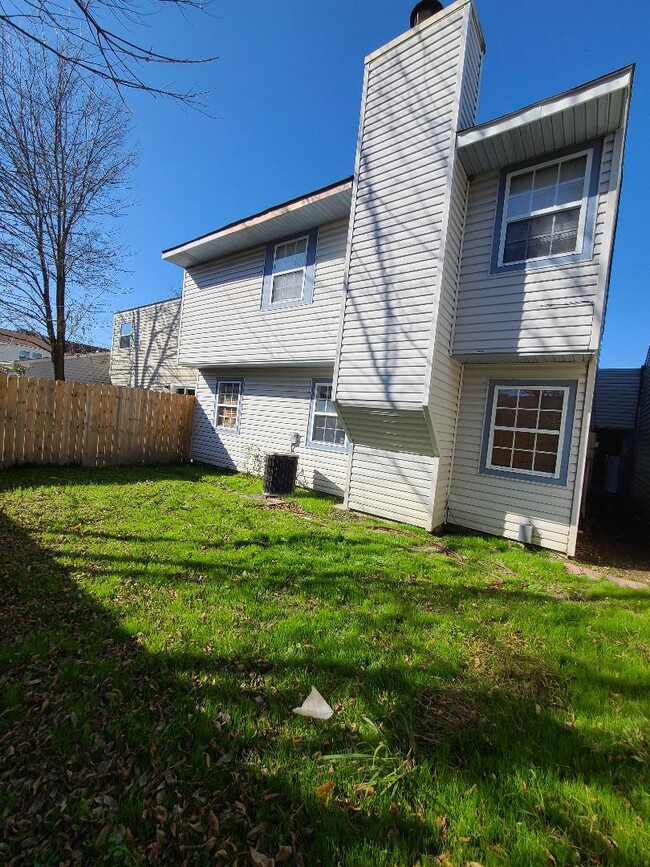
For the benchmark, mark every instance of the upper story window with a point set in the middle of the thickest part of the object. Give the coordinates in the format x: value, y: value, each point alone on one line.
x: 24, y: 354
x: 325, y: 428
x: 528, y: 430
x: 126, y: 335
x: 289, y: 271
x: 547, y: 212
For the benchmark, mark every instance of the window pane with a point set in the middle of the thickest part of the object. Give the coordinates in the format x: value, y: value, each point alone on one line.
x: 550, y: 420
x: 545, y: 463
x: 548, y: 443
x: 503, y: 438
x: 525, y: 441
x: 290, y: 255
x: 552, y: 399
x: 529, y: 399
x: 515, y: 252
x: 527, y: 418
x: 565, y: 231
x: 340, y: 436
x: 544, y: 190
x: 287, y: 287
x: 522, y: 460
x: 508, y: 397
x: 519, y: 195
x: 572, y: 181
x: 501, y: 457
x: 505, y: 417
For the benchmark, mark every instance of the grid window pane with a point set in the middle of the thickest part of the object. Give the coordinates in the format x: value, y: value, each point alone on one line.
x: 539, y: 219
x: 326, y: 427
x: 523, y: 437
x: 228, y: 398
x: 287, y: 287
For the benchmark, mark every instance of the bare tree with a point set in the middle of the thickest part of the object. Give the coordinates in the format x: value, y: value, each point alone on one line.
x: 64, y: 160
x: 101, y: 36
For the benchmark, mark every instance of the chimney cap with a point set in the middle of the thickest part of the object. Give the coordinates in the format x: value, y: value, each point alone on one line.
x: 425, y: 9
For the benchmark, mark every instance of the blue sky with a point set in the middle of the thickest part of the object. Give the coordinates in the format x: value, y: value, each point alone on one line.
x: 286, y: 106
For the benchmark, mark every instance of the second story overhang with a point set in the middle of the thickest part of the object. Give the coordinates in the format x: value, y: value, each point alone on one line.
x: 322, y: 206
x: 590, y: 111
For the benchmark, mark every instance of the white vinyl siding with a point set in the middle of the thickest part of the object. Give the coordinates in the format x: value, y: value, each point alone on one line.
x: 548, y: 313
x: 151, y: 359
x: 498, y: 504
x: 223, y: 322
x: 275, y: 404
x: 405, y: 145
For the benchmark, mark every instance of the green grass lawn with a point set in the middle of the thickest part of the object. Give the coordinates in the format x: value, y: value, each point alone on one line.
x: 158, y: 625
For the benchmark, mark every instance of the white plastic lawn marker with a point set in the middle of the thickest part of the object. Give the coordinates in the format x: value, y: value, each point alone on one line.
x: 314, y: 706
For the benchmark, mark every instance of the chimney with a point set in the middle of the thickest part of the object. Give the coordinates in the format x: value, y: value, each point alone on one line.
x: 425, y: 9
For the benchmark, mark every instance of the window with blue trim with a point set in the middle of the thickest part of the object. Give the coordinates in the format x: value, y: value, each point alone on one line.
x: 289, y: 271
x: 325, y: 428
x: 546, y: 211
x: 228, y: 405
x: 528, y: 430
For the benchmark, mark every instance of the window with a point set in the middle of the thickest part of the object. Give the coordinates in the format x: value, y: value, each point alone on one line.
x: 126, y: 333
x: 181, y: 389
x: 23, y: 354
x: 528, y: 430
x: 228, y: 403
x: 289, y: 271
x: 37, y: 355
x: 546, y: 212
x: 325, y: 428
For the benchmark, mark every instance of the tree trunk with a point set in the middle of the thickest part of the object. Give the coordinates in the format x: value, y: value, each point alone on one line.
x: 58, y: 350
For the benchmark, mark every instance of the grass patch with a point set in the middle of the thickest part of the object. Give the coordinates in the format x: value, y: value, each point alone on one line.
x: 159, y: 624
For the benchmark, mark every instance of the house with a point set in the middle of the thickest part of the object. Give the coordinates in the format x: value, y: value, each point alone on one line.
x: 640, y: 482
x: 21, y: 346
x: 424, y: 335
x: 19, y: 349
x: 616, y: 403
x: 144, y: 350
x: 79, y: 367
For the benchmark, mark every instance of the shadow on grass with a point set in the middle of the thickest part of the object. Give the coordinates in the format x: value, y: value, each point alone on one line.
x: 108, y: 754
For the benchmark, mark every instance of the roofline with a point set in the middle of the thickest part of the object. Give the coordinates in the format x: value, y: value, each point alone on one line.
x: 260, y: 215
x: 502, y: 119
x: 150, y: 304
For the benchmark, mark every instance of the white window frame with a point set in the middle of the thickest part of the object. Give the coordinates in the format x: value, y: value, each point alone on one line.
x: 318, y: 444
x: 217, y: 404
x: 121, y: 336
x: 584, y: 206
x: 275, y: 273
x: 537, y: 474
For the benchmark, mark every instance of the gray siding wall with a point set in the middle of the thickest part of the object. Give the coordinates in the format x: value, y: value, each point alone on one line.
x: 497, y: 505
x: 405, y: 146
x: 616, y: 398
x: 223, y: 322
x: 275, y: 404
x: 152, y: 359
x: 87, y: 367
x: 640, y: 483
x: 543, y: 312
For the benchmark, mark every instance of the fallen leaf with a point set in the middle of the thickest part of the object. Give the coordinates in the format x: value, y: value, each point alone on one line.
x: 365, y: 789
x: 283, y: 854
x: 325, y: 788
x: 259, y: 859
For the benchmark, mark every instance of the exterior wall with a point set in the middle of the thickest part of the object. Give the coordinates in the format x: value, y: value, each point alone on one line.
x: 616, y: 399
x: 275, y: 405
x: 497, y: 505
x: 640, y: 483
x: 87, y: 367
x: 223, y: 322
x: 152, y: 359
x: 10, y: 352
x: 412, y: 93
x: 548, y: 312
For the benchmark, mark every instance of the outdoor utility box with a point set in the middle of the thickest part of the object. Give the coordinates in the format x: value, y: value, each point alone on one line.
x: 280, y: 473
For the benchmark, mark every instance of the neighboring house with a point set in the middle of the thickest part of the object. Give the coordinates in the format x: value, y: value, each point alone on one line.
x: 21, y: 346
x: 616, y: 402
x: 424, y: 336
x: 145, y: 349
x: 640, y: 484
x: 81, y: 367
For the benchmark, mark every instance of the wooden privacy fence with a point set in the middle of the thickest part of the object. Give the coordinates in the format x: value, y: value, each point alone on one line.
x: 96, y: 425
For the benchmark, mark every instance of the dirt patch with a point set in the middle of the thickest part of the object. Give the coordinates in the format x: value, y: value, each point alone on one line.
x: 614, y: 538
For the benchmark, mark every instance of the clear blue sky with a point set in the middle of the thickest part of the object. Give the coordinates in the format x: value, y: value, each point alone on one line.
x: 286, y: 107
